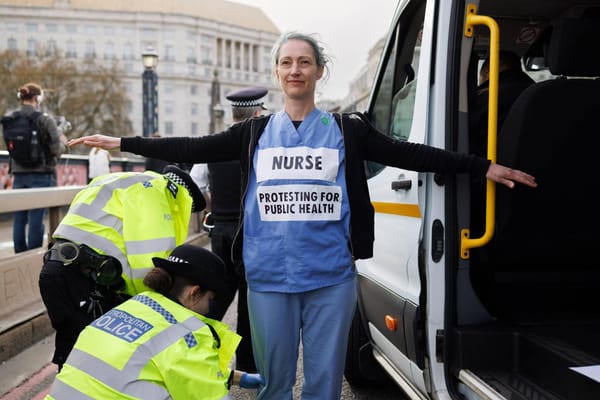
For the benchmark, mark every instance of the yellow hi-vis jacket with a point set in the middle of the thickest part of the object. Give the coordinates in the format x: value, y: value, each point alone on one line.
x: 133, y: 216
x: 149, y: 347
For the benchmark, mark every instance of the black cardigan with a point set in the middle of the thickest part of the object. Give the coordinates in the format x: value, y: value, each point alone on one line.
x: 362, y: 142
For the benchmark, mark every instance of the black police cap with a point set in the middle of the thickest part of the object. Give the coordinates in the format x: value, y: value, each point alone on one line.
x: 248, y: 97
x: 199, y: 265
x: 184, y: 179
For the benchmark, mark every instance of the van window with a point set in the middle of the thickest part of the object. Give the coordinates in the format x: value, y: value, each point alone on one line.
x: 393, y: 101
x: 403, y: 102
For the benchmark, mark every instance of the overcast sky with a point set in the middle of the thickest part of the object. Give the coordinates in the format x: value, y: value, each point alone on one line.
x: 347, y: 28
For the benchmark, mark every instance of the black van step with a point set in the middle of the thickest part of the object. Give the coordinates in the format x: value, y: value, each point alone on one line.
x: 548, y: 361
x: 514, y: 386
x: 531, y: 363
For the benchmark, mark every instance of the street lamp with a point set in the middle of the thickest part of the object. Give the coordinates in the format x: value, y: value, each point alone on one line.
x: 216, y: 117
x: 150, y: 92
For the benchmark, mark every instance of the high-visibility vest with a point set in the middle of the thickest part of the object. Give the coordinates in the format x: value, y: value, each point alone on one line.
x: 149, y: 347
x: 133, y: 216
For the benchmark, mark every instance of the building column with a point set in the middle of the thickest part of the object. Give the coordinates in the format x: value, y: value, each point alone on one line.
x: 242, y: 56
x: 224, y: 53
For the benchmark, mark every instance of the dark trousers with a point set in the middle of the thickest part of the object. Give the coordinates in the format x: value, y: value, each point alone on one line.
x: 67, y: 295
x: 235, y: 280
x: 28, y: 225
x: 65, y: 292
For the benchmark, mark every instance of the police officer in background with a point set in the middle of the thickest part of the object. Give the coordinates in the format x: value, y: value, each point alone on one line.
x: 104, y: 246
x: 221, y: 183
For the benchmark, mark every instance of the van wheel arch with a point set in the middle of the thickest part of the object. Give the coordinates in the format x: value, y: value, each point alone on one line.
x: 361, y: 368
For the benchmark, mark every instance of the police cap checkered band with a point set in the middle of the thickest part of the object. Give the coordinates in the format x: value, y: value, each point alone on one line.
x: 175, y: 178
x: 177, y: 260
x: 248, y: 97
x: 182, y: 178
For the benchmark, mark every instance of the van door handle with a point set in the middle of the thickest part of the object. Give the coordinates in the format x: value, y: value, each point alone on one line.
x: 402, y: 185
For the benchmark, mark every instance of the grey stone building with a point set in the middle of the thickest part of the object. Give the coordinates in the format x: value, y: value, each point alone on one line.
x: 193, y: 38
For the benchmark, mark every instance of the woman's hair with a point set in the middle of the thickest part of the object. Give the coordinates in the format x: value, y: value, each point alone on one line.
x: 171, y: 286
x: 321, y: 57
x: 159, y: 280
x: 29, y: 91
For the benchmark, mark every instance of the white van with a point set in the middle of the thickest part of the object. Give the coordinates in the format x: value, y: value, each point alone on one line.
x: 475, y: 291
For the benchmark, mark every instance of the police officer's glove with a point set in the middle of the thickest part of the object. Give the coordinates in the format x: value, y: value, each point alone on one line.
x: 251, y: 381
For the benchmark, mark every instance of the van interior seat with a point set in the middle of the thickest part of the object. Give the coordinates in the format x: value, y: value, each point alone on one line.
x: 553, y: 132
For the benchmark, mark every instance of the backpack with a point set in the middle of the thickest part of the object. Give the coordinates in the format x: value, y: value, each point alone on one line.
x: 23, y: 138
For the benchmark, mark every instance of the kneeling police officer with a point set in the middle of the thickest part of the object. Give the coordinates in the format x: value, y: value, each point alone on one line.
x: 158, y: 344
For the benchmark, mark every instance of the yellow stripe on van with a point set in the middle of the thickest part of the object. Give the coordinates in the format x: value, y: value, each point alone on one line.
x: 408, y: 210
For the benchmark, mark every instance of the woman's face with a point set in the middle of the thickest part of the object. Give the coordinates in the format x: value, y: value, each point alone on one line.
x: 297, y: 70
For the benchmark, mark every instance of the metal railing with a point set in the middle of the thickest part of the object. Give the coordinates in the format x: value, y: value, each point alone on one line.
x: 72, y: 169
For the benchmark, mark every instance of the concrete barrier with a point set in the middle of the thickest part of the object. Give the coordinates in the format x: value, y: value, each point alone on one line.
x: 19, y: 291
x: 23, y: 319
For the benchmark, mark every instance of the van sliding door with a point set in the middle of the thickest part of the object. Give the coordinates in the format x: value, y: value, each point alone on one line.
x: 390, y: 285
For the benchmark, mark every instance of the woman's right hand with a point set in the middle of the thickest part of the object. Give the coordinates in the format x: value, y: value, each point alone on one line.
x: 102, y: 141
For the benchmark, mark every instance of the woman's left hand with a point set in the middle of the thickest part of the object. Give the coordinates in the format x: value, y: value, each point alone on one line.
x: 508, y: 176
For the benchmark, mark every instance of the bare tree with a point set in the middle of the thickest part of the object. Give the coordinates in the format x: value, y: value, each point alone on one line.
x: 90, y: 95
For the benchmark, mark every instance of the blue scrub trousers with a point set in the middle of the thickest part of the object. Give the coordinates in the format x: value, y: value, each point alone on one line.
x: 321, y: 318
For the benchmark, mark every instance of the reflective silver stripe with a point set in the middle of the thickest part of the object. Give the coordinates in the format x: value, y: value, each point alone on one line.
x: 98, y: 242
x: 106, y: 191
x: 150, y: 245
x: 94, y: 211
x: 146, y: 390
x: 61, y: 390
x: 96, y: 214
x: 152, y: 347
x: 123, y: 381
x: 93, y: 366
x: 139, y: 273
x: 101, y: 218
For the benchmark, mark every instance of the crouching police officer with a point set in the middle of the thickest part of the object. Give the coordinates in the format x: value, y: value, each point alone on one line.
x: 104, y: 246
x: 158, y: 345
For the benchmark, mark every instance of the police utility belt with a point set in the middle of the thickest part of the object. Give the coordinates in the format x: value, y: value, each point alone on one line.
x: 105, y: 270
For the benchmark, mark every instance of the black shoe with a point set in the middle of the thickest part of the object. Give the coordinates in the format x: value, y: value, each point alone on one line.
x: 246, y: 367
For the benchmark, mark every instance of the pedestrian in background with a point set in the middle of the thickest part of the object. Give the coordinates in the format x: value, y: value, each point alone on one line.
x: 164, y: 348
x: 222, y: 185
x: 307, y: 215
x: 28, y: 225
x: 104, y: 246
x: 98, y: 163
